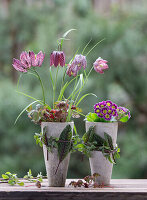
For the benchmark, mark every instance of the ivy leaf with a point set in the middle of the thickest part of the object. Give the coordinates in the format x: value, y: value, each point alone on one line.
x: 109, y: 140
x: 21, y: 183
x: 11, y: 182
x: 88, y: 136
x: 8, y: 173
x: 5, y: 177
x: 44, y: 138
x: 99, y: 140
x: 64, y: 144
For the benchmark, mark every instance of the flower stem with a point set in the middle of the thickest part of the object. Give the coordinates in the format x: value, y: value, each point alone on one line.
x: 54, y: 88
x: 41, y: 83
x: 72, y: 100
x: 80, y: 90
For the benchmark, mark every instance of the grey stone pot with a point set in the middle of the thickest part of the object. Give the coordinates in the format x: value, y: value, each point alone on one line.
x: 98, y: 163
x: 51, y: 158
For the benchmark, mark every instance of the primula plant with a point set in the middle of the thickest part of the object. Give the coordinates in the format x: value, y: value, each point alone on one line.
x: 75, y: 75
x: 107, y: 111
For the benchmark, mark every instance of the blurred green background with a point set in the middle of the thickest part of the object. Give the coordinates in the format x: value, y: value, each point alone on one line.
x: 36, y: 25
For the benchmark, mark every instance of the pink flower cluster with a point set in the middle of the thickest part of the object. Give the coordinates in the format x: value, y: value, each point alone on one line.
x: 106, y: 109
x: 27, y: 60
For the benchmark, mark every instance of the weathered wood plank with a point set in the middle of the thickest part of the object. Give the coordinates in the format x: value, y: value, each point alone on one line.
x: 119, y: 189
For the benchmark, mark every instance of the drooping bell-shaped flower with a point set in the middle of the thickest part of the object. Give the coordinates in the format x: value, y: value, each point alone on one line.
x: 27, y: 60
x: 100, y: 65
x: 72, y: 70
x: 23, y: 64
x: 80, y: 61
x: 36, y: 60
x: 57, y: 58
x: 76, y: 65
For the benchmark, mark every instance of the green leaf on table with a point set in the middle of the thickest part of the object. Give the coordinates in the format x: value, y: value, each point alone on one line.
x: 4, y: 176
x: 11, y: 182
x: 21, y: 183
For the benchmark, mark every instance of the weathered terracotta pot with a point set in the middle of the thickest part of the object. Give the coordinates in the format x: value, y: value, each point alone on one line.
x: 51, y: 158
x: 98, y: 163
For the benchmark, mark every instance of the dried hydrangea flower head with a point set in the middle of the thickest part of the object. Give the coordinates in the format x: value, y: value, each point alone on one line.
x: 27, y: 60
x: 76, y: 65
x: 57, y: 58
x: 100, y: 65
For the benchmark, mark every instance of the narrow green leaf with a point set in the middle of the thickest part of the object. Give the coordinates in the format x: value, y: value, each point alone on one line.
x: 19, y: 79
x: 30, y: 172
x: 86, y: 46
x: 75, y: 130
x: 62, y: 91
x: 30, y: 97
x: 67, y: 32
x: 94, y: 46
x: 84, y: 97
x: 25, y: 110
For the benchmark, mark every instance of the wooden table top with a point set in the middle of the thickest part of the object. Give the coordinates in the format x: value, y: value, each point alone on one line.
x: 120, y: 189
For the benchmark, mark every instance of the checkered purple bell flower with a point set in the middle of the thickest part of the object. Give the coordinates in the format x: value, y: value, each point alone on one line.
x: 57, y: 58
x: 76, y: 65
x: 27, y: 60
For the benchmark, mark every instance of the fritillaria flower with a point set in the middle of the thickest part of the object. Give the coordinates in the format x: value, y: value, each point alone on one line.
x: 57, y: 58
x: 76, y: 65
x: 36, y: 60
x: 100, y: 65
x: 23, y: 64
x: 19, y: 66
x: 27, y: 60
